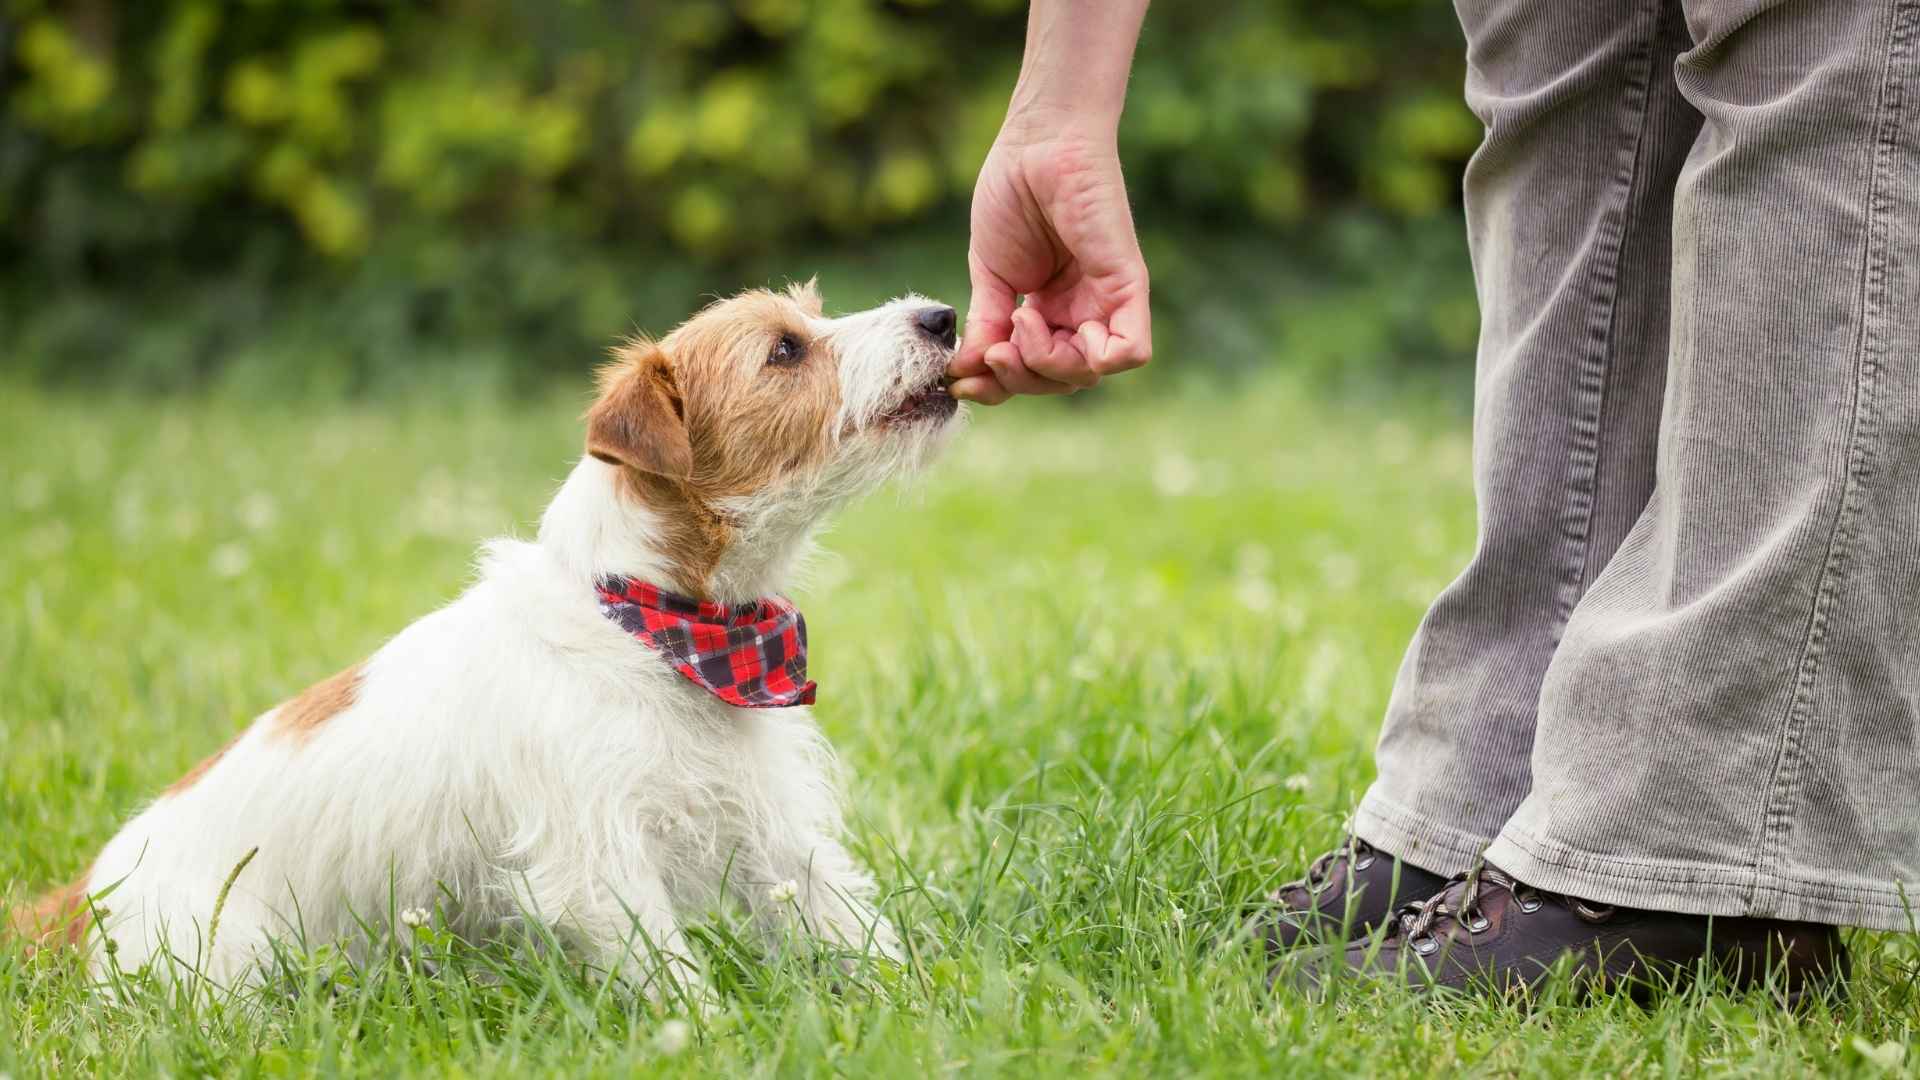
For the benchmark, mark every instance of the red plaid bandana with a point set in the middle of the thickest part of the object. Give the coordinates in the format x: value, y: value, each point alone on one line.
x: 752, y: 655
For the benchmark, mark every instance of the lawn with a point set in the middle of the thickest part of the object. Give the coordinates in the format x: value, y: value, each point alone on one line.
x: 1105, y: 674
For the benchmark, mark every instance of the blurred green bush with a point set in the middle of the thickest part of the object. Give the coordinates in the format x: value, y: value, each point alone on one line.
x: 182, y: 178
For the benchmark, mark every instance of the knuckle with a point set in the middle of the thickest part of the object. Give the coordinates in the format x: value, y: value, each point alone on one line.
x: 1136, y: 357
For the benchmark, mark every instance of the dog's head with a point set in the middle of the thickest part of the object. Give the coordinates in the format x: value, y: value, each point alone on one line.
x: 760, y: 413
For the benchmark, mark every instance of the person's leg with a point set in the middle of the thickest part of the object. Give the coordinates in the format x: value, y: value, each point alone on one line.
x: 1729, y: 726
x: 1568, y: 209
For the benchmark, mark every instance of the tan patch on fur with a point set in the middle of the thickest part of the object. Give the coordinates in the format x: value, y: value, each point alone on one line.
x: 694, y: 536
x: 319, y: 703
x: 807, y: 295
x: 638, y: 419
x: 59, y: 918
x: 745, y: 423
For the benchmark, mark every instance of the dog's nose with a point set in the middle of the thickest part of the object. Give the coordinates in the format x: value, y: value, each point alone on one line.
x: 936, y: 323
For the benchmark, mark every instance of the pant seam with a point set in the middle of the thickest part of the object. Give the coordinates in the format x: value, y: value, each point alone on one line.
x: 1783, y: 797
x: 1562, y: 857
x: 1632, y: 869
x: 1583, y: 472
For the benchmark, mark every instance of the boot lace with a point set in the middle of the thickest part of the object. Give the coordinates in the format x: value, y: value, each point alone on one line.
x: 1355, y: 852
x: 1461, y: 903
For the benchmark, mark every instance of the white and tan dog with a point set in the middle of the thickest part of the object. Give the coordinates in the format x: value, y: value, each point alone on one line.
x: 520, y: 754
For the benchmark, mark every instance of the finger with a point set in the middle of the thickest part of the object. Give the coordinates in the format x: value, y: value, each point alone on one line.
x: 989, y: 319
x: 1104, y: 242
x: 1044, y: 357
x: 1029, y: 334
x: 1050, y: 353
x: 1129, y: 341
x: 1092, y: 339
x: 985, y: 389
x: 1065, y: 362
x: 1004, y: 359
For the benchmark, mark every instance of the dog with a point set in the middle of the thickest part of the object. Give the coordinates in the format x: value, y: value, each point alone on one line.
x: 608, y: 732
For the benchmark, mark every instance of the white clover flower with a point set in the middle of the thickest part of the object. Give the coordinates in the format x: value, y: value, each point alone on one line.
x: 1340, y: 570
x: 1179, y: 914
x: 1298, y: 782
x: 1175, y: 474
x: 1885, y: 1056
x: 784, y: 892
x: 1256, y: 594
x: 673, y: 1037
x: 258, y: 512
x: 231, y: 560
x: 414, y: 917
x: 1292, y: 617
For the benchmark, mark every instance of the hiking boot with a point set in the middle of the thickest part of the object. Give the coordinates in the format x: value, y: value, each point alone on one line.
x: 1347, y: 894
x: 1486, y: 931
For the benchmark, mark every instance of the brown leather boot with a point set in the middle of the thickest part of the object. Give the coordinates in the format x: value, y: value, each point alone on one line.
x: 1347, y: 894
x: 1487, y: 932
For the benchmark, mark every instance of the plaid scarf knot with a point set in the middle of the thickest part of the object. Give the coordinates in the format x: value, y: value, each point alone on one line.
x: 752, y: 655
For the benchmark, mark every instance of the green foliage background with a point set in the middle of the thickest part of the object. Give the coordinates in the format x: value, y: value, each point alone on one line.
x: 188, y: 186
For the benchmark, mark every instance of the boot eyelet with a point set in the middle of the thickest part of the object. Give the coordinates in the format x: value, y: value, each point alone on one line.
x: 1593, y: 913
x: 1530, y: 903
x: 1425, y: 944
x: 1479, y: 924
x: 1363, y: 862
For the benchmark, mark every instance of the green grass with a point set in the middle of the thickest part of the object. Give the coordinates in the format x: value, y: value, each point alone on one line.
x: 1109, y: 673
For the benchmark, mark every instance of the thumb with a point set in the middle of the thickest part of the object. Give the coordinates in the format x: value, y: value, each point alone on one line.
x: 989, y: 319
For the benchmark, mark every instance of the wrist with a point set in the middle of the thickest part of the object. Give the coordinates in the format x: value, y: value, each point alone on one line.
x: 1059, y: 103
x: 1037, y: 122
x: 1074, y: 69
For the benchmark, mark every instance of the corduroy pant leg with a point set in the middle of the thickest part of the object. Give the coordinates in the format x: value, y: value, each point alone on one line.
x: 1568, y: 204
x: 1731, y: 722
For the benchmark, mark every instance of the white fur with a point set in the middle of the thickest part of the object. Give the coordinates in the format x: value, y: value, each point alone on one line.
x: 517, y: 754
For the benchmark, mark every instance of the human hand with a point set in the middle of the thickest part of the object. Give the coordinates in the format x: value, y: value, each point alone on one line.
x: 1051, y: 224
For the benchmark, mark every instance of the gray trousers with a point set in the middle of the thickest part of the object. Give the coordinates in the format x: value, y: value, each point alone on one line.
x: 1682, y: 670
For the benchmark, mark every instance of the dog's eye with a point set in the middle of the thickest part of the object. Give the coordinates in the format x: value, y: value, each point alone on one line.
x: 786, y: 352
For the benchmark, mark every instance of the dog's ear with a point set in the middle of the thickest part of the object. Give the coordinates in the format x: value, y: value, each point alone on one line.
x: 806, y: 294
x: 640, y: 419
